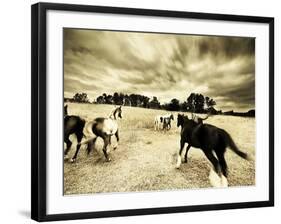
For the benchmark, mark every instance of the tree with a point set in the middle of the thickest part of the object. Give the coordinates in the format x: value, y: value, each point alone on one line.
x: 81, y: 98
x: 154, y: 103
x: 121, y: 98
x: 199, y: 103
x: 183, y: 106
x: 100, y: 100
x: 209, y: 102
x: 145, y: 101
x: 109, y: 99
x: 134, y: 100
x: 191, y: 102
x: 116, y: 98
x: 174, y: 105
x: 126, y: 100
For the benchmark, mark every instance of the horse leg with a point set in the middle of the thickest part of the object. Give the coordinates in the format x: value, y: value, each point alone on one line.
x: 222, y: 162
x: 185, y: 156
x: 215, y: 177
x: 90, y: 145
x: 117, y: 138
x: 79, y: 136
x: 220, y: 155
x: 106, y: 140
x: 68, y: 145
x: 182, y: 142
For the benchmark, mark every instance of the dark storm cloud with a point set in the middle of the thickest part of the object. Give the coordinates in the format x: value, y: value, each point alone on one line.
x: 163, y: 65
x: 228, y: 47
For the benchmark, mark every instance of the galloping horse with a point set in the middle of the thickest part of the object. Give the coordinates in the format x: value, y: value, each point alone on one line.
x: 72, y: 125
x: 104, y: 128
x: 212, y: 140
x: 198, y: 120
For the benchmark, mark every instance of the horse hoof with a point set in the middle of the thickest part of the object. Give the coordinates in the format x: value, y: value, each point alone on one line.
x: 72, y: 160
x: 224, y: 182
x: 215, y: 180
x: 185, y: 161
x: 108, y: 160
x: 178, y: 162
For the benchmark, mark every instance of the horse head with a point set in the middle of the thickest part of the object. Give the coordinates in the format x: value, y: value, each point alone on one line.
x: 180, y: 120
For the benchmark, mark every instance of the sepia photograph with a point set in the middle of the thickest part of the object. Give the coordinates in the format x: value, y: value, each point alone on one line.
x: 157, y: 111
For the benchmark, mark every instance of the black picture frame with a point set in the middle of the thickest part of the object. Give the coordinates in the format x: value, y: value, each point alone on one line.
x: 39, y: 114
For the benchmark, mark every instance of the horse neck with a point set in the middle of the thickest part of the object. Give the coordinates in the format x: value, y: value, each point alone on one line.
x: 189, y: 125
x: 114, y: 115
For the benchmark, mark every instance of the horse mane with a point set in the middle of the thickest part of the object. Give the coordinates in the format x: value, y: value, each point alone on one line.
x: 186, y: 120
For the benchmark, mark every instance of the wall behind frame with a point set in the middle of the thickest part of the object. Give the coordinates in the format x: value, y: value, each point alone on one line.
x: 15, y: 110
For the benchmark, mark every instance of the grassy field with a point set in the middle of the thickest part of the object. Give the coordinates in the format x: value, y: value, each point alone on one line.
x: 145, y: 159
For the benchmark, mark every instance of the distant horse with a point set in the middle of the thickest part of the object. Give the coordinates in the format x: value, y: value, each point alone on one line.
x: 163, y: 121
x: 104, y: 128
x: 212, y: 140
x: 72, y: 125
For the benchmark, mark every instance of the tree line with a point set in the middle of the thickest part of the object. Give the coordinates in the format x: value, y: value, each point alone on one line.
x: 195, y: 102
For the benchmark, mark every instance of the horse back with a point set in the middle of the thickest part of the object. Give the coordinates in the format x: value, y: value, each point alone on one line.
x: 73, y: 124
x: 106, y: 126
x: 202, y: 136
x: 211, y: 136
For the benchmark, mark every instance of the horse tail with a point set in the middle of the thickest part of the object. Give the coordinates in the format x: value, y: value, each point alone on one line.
x: 233, y: 146
x: 88, y: 133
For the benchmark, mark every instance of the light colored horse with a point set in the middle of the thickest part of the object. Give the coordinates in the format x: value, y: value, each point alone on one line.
x: 104, y: 128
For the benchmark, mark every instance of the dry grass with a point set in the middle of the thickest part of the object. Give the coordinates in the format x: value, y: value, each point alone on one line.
x: 145, y: 159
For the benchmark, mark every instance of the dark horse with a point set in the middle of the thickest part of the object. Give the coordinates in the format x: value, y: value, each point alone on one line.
x: 72, y: 125
x: 104, y: 128
x: 211, y: 139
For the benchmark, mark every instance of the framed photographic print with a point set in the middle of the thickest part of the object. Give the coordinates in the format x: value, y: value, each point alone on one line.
x: 139, y: 111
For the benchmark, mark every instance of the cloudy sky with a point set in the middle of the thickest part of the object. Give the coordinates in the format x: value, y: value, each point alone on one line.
x: 163, y: 65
